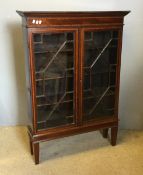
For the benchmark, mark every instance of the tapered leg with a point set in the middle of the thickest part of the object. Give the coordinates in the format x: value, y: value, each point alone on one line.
x: 114, y: 132
x: 36, y: 152
x: 31, y: 145
x: 105, y: 133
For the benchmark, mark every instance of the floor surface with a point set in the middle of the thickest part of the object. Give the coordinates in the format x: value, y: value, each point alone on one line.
x: 84, y: 154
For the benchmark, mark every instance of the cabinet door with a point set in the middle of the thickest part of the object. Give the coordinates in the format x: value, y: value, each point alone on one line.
x: 54, y: 60
x: 99, y: 73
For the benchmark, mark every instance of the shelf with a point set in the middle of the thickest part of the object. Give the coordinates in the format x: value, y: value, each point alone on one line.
x: 89, y: 67
x: 99, y: 48
x: 96, y: 96
x: 54, y: 76
x: 46, y: 47
x: 50, y: 104
x: 45, y: 120
x: 67, y: 120
x: 99, y: 115
x: 53, y: 51
x: 42, y: 71
x: 91, y: 39
x: 110, y: 93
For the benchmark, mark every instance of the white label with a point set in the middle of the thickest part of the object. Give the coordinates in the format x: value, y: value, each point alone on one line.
x: 33, y: 21
x: 40, y: 21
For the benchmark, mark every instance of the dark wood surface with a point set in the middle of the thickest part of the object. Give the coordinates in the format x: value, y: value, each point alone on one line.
x: 72, y: 13
x: 72, y: 18
x: 77, y: 22
x: 72, y: 130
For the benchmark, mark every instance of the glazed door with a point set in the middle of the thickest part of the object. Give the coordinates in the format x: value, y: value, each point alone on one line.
x: 99, y: 72
x: 54, y: 60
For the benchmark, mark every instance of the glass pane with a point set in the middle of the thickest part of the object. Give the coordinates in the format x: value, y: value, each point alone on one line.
x: 100, y: 64
x: 54, y: 74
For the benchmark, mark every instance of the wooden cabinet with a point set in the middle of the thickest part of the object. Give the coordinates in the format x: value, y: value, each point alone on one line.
x: 72, y: 71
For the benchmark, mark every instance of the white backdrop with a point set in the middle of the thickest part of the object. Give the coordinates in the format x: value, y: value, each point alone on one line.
x: 12, y: 78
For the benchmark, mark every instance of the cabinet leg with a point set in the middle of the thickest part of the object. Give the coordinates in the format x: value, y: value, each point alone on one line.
x: 36, y: 152
x: 114, y: 132
x: 31, y: 145
x: 105, y: 133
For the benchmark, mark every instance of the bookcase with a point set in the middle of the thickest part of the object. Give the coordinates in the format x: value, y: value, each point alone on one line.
x: 72, y: 73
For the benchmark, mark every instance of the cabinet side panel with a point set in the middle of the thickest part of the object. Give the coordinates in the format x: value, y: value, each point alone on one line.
x: 28, y: 80
x: 118, y: 70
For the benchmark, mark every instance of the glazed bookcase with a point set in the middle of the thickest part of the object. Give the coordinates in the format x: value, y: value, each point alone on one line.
x: 72, y: 73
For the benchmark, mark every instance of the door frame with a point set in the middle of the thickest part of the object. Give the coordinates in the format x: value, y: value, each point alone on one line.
x: 32, y: 31
x: 81, y: 71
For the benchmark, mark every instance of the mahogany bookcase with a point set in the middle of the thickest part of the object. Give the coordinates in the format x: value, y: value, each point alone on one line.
x: 72, y: 73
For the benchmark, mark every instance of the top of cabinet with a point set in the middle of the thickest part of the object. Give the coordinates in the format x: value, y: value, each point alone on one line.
x: 71, y: 18
x: 71, y: 13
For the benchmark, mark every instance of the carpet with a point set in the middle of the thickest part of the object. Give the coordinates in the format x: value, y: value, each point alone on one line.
x: 84, y: 154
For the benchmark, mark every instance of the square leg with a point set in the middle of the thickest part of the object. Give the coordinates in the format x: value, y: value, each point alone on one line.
x: 36, y: 152
x: 31, y: 144
x: 105, y: 133
x: 114, y: 131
